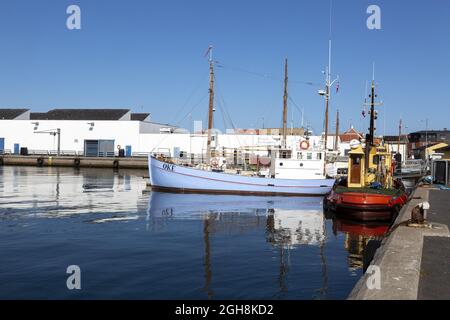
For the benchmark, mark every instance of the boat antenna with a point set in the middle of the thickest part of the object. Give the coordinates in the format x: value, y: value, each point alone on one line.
x: 211, y: 102
x: 328, y: 84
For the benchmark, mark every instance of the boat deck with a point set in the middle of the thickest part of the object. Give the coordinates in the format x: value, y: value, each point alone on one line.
x: 343, y: 189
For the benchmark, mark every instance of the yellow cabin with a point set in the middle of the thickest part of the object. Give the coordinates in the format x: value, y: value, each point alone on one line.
x: 378, y: 168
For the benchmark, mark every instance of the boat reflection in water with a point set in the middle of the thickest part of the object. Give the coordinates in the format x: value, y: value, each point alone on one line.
x: 361, y: 240
x: 289, y: 222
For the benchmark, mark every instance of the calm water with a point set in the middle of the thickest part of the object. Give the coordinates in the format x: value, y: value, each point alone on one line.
x: 130, y: 243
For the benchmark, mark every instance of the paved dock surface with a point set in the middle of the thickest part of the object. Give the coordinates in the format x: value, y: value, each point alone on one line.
x: 413, y: 263
x: 434, y: 280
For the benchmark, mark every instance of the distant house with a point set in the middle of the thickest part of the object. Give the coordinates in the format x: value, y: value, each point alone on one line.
x: 271, y: 131
x: 444, y: 151
x: 431, y: 150
x: 346, y: 137
x: 431, y: 137
x: 397, y: 145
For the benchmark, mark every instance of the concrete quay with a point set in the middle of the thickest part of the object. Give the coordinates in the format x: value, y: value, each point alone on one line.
x: 75, y: 161
x: 412, y: 262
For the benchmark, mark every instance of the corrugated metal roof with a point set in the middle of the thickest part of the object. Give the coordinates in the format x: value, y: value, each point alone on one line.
x: 139, y: 116
x: 80, y: 114
x: 10, y: 114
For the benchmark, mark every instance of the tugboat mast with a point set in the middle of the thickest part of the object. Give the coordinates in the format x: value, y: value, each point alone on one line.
x: 373, y: 116
x: 211, y: 104
x: 369, y: 142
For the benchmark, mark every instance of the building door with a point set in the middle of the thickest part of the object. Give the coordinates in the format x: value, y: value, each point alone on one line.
x: 439, y: 171
x: 16, y: 148
x: 91, y: 148
x: 2, y: 145
x: 106, y: 148
x: 355, y: 170
x: 128, y: 152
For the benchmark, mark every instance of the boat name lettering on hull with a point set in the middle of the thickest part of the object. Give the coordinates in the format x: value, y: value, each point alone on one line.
x: 168, y: 167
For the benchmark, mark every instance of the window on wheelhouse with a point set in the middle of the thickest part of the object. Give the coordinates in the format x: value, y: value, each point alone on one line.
x: 299, y: 155
x: 285, y: 154
x: 309, y: 156
x: 376, y: 159
x: 319, y: 156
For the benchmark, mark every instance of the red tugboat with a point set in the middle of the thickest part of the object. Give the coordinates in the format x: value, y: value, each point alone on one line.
x: 369, y: 192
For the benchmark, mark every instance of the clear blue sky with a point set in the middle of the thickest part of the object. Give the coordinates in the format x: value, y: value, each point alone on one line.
x: 148, y: 56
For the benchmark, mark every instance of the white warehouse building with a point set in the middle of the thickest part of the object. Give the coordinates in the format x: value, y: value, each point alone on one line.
x: 101, y: 132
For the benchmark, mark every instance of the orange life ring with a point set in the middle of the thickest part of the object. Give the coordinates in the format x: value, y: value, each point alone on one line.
x: 304, y: 145
x: 214, y: 162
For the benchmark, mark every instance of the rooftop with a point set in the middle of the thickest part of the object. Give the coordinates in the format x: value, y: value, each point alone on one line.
x: 10, y: 114
x: 80, y: 114
x: 139, y: 116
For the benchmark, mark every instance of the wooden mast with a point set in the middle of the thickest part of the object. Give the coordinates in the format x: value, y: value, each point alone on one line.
x: 285, y: 97
x: 336, y: 141
x: 211, y: 105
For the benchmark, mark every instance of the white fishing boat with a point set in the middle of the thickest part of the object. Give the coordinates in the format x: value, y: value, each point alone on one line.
x: 294, y: 170
x: 170, y: 177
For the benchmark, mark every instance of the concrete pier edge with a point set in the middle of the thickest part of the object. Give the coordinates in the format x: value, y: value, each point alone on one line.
x: 399, y: 258
x: 74, y: 161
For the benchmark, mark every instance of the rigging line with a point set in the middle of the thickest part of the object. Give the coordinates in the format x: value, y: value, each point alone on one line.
x: 268, y: 76
x: 184, y: 105
x: 176, y: 124
x: 298, y: 108
x: 220, y: 96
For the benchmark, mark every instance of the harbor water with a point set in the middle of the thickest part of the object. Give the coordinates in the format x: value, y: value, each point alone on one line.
x: 130, y: 243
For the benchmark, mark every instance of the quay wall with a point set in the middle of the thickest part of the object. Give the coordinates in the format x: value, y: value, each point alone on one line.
x: 82, y: 162
x: 397, y: 262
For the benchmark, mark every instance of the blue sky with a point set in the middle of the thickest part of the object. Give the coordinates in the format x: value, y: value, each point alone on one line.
x: 148, y: 56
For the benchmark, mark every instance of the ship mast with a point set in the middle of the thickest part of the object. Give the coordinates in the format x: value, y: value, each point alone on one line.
x: 336, y: 141
x: 327, y: 94
x: 211, y: 104
x: 369, y: 141
x: 373, y: 116
x: 285, y: 97
x: 399, y: 135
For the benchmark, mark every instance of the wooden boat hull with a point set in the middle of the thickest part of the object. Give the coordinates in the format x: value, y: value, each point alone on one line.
x: 173, y: 178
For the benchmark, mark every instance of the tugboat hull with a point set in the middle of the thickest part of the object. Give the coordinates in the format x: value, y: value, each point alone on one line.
x: 365, y: 206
